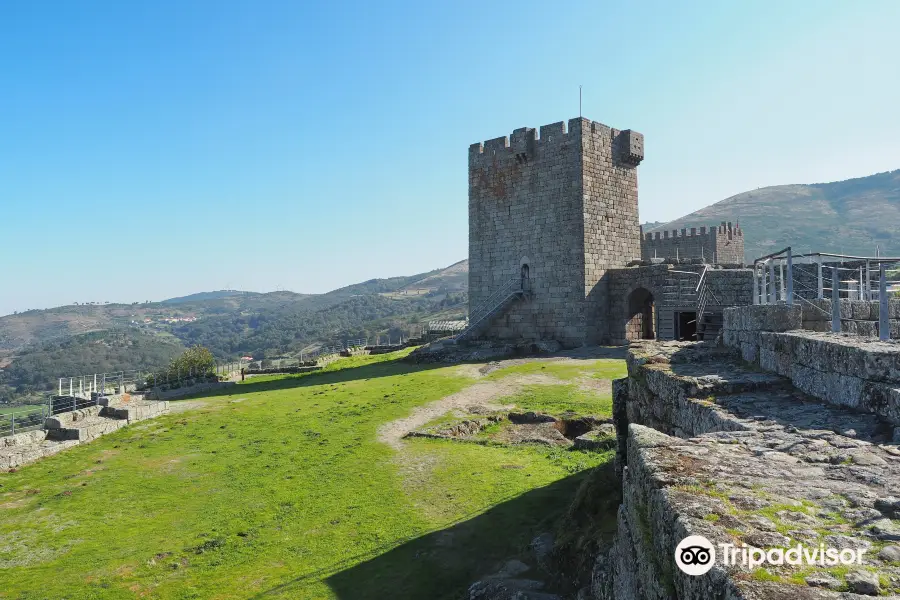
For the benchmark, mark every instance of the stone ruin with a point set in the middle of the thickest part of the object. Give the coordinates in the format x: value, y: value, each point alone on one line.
x: 89, y: 420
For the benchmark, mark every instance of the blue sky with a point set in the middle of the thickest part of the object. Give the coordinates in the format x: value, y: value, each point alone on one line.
x: 156, y: 149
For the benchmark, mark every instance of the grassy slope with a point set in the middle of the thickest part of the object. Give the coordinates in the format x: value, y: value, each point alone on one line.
x: 280, y: 489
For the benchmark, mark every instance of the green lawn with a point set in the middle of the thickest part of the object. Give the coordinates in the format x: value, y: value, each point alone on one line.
x: 561, y: 399
x: 21, y: 408
x: 280, y: 489
x: 605, y: 368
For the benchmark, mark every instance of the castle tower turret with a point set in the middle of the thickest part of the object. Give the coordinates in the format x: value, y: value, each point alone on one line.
x: 563, y: 202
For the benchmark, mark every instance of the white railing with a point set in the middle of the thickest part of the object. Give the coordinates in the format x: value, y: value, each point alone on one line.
x: 785, y: 278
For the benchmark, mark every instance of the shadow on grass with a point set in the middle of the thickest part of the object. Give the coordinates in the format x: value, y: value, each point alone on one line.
x: 444, y: 563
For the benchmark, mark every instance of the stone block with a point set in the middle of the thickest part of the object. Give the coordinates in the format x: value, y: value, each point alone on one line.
x: 861, y: 310
x: 750, y: 352
x: 808, y: 380
x: 894, y: 309
x: 882, y: 399
x: 767, y: 359
x: 843, y: 390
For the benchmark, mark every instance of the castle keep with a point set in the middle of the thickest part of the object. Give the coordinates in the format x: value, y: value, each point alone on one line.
x: 553, y: 224
x: 557, y: 209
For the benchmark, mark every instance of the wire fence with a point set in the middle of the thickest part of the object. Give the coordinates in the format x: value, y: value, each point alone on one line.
x: 785, y: 278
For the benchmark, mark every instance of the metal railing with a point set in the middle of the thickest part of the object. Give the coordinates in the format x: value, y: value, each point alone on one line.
x: 24, y: 420
x: 704, y: 296
x: 512, y: 288
x: 102, y: 383
x: 785, y: 278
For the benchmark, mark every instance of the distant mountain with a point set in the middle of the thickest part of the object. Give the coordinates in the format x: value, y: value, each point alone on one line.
x: 851, y: 217
x: 41, y: 345
x: 207, y: 296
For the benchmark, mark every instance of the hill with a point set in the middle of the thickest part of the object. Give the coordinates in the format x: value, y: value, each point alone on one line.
x: 845, y: 217
x: 206, y: 296
x: 36, y: 368
x: 38, y: 346
x: 298, y: 487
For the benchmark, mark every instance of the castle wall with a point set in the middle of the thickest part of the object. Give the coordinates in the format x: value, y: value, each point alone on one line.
x: 564, y: 201
x: 722, y: 245
x: 612, y: 231
x: 673, y: 289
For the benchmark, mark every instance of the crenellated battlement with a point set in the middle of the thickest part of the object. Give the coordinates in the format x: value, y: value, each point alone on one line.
x: 725, y: 229
x: 548, y: 133
x: 723, y: 243
x: 527, y: 141
x: 560, y: 199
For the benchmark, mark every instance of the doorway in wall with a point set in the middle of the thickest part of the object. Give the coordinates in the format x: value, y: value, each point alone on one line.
x: 686, y: 326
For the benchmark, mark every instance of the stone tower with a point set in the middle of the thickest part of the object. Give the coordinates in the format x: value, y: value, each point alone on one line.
x: 558, y: 209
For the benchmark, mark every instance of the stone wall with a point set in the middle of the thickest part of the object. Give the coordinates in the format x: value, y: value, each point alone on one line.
x: 730, y: 287
x: 858, y: 317
x: 718, y: 245
x: 673, y: 288
x: 844, y: 370
x: 709, y: 446
x: 161, y: 394
x: 563, y: 202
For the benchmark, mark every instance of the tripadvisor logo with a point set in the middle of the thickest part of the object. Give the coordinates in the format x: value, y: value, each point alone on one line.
x: 696, y: 555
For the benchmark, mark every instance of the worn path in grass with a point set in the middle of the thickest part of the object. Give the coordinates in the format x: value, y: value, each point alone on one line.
x: 280, y: 488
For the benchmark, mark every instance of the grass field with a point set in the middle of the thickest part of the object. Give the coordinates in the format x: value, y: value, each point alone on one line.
x: 19, y: 408
x: 281, y: 489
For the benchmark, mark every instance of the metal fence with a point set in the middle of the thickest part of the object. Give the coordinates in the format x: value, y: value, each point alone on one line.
x: 785, y: 278
x: 99, y: 383
x: 23, y: 420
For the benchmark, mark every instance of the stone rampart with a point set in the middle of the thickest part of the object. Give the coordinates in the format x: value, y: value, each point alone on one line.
x: 711, y: 446
x: 162, y: 394
x: 845, y: 370
x: 71, y: 428
x: 717, y: 245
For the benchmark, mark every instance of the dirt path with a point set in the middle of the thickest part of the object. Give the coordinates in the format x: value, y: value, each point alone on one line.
x: 576, y: 357
x: 479, y: 395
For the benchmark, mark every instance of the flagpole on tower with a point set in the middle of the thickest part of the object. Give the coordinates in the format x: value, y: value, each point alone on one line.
x: 579, y: 101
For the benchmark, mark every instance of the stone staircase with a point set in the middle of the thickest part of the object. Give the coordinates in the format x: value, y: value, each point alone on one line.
x: 709, y: 326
